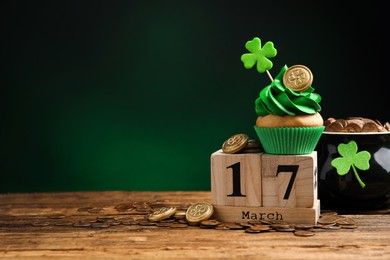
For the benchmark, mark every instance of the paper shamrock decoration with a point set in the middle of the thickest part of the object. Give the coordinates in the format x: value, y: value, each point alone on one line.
x: 351, y: 158
x: 259, y: 55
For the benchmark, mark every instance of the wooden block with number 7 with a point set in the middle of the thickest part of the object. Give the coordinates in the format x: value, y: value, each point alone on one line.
x: 236, y: 179
x: 289, y: 181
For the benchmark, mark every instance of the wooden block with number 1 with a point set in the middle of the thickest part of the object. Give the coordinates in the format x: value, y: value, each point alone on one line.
x: 236, y: 179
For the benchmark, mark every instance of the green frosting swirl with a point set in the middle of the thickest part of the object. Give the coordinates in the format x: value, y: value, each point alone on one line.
x: 278, y: 100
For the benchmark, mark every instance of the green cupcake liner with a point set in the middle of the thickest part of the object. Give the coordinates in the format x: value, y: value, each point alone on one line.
x: 289, y: 140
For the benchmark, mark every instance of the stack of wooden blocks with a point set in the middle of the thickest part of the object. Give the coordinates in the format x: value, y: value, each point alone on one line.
x: 261, y: 186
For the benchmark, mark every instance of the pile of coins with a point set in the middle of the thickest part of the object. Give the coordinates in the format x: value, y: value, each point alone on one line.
x: 240, y: 143
x: 355, y: 125
x: 143, y: 214
x: 327, y: 221
x: 139, y: 213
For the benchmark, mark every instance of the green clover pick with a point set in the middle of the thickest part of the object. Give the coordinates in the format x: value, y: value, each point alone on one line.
x: 351, y: 158
x: 259, y: 55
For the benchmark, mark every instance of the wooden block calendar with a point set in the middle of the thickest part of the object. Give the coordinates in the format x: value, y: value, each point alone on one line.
x: 255, y: 186
x: 236, y: 179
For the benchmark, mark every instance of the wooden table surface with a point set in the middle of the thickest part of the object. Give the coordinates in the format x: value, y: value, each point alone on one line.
x: 42, y: 226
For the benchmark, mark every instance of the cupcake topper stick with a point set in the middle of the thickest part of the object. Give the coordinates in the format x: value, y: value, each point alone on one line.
x: 269, y: 75
x: 259, y: 55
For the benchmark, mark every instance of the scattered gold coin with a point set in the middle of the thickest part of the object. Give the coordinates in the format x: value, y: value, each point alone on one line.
x: 261, y: 227
x: 180, y: 214
x: 298, y: 78
x: 328, y: 219
x: 178, y: 225
x: 252, y: 230
x: 198, y: 212
x: 235, y: 143
x: 210, y: 223
x: 162, y: 213
x: 304, y: 233
x: 345, y: 221
x: 303, y: 226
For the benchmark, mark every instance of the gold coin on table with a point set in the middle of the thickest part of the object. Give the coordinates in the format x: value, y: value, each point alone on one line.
x: 198, y: 212
x: 162, y: 213
x: 304, y: 233
x: 235, y: 143
x: 298, y: 78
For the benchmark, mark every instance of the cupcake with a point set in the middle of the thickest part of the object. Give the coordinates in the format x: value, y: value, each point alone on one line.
x: 288, y: 118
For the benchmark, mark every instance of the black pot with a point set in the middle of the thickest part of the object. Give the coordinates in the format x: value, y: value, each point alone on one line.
x: 342, y: 190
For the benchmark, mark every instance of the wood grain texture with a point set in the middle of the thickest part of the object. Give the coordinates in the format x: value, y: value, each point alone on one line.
x: 248, y: 172
x: 20, y: 240
x: 276, y: 180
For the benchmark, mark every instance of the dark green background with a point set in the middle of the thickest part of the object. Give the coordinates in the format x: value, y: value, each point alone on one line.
x: 136, y: 95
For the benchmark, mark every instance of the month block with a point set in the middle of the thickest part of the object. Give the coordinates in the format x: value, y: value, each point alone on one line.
x: 245, y: 214
x: 236, y: 179
x: 289, y: 181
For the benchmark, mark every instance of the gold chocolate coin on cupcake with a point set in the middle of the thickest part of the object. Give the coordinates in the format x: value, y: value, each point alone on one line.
x: 198, y: 212
x: 162, y: 213
x: 235, y: 143
x: 298, y: 78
